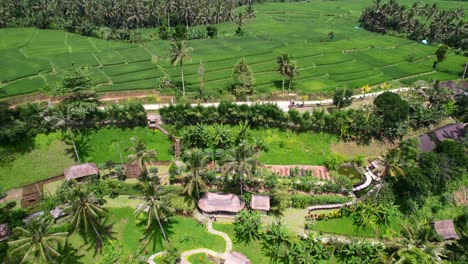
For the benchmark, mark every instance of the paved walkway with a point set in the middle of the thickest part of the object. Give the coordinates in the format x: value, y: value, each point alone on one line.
x: 184, y: 256
x: 283, y: 105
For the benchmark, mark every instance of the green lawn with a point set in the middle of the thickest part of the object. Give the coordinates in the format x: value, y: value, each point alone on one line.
x: 344, y: 226
x: 355, y: 57
x: 285, y: 147
x: 200, y: 259
x: 102, y: 145
x: 253, y: 250
x: 33, y: 160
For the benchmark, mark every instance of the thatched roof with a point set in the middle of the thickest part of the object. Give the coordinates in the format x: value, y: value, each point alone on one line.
x: 446, y: 229
x: 153, y: 117
x: 132, y: 171
x: 220, y: 202
x: 4, y: 232
x: 260, y: 202
x: 32, y: 216
x: 428, y: 142
x: 80, y: 171
x: 236, y: 258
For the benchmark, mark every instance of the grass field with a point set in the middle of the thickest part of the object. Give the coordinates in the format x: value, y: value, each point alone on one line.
x: 30, y: 58
x: 102, y: 145
x: 43, y: 157
x: 253, y: 250
x: 286, y: 147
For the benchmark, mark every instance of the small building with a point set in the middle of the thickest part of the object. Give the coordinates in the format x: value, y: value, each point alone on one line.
x: 153, y: 120
x: 215, y: 203
x: 236, y: 258
x: 31, y: 195
x: 446, y: 229
x: 260, y: 203
x: 428, y: 142
x: 81, y: 172
x: 33, y: 216
x: 4, y: 232
x: 132, y: 170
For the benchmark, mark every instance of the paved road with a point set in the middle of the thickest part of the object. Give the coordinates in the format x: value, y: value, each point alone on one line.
x: 283, y: 105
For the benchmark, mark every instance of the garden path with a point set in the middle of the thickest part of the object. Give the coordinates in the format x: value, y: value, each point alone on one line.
x: 188, y: 253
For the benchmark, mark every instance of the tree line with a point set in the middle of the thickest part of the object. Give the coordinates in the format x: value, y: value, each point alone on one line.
x: 389, y: 118
x: 418, y: 22
x: 113, y: 18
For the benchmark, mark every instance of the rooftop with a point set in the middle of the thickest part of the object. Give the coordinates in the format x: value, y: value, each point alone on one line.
x: 236, y: 258
x: 220, y: 202
x: 80, y: 171
x: 428, y: 142
x: 260, y: 202
x: 446, y: 229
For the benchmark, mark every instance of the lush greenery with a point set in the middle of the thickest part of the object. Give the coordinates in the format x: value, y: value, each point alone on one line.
x: 34, y: 59
x: 428, y: 22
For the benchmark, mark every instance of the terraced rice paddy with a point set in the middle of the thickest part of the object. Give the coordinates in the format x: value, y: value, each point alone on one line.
x: 33, y: 59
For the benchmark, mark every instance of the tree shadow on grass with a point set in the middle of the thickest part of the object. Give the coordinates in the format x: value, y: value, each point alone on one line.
x: 82, y: 145
x: 153, y: 237
x: 68, y: 254
x: 9, y: 153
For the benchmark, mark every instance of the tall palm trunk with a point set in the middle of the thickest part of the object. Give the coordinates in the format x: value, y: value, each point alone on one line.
x: 283, y: 85
x: 169, y: 22
x: 241, y: 173
x: 289, y: 86
x: 74, y: 146
x: 182, y: 76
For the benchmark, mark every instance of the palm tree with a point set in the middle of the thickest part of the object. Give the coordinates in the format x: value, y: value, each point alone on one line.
x: 196, y: 161
x: 392, y: 164
x: 283, y: 62
x: 154, y: 208
x: 179, y: 52
x: 292, y: 71
x: 87, y: 214
x: 441, y: 55
x: 141, y: 155
x: 241, y: 161
x: 276, y: 242
x: 36, y: 243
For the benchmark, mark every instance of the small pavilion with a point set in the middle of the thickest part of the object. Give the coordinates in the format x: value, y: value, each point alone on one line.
x: 260, y: 202
x: 153, y: 120
x: 132, y: 170
x: 446, y: 229
x: 81, y: 172
x: 218, y: 203
x: 236, y: 258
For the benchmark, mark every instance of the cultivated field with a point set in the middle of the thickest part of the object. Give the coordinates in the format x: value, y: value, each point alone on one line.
x: 32, y: 59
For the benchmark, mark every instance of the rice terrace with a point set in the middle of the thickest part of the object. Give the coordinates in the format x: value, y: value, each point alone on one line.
x: 233, y: 131
x: 33, y: 59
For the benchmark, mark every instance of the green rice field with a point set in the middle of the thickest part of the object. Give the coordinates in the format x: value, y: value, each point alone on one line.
x: 33, y: 59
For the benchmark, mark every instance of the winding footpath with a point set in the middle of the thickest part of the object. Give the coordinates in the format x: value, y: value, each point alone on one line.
x: 184, y: 256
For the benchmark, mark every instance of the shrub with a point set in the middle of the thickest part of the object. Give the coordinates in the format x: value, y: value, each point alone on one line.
x: 302, y: 201
x: 334, y: 160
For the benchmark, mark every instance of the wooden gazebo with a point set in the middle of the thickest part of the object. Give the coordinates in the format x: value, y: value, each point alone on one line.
x: 260, y: 203
x: 81, y: 172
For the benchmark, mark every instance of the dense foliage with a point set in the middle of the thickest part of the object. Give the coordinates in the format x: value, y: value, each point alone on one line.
x: 111, y: 19
x: 418, y: 22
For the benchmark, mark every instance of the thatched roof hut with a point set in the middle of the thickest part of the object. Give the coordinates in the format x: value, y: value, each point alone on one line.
x: 4, y: 232
x: 78, y: 172
x: 236, y: 258
x: 446, y: 229
x: 260, y: 202
x: 57, y: 212
x: 220, y: 202
x: 153, y: 120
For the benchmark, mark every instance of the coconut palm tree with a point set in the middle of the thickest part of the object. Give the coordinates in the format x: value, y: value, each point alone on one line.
x: 276, y: 242
x: 240, y: 161
x: 88, y: 216
x: 36, y: 243
x: 196, y: 161
x: 392, y: 164
x: 154, y: 208
x: 292, y: 71
x: 179, y: 52
x: 283, y: 62
x: 141, y: 154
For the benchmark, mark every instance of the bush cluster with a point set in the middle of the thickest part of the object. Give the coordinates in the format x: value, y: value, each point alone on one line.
x: 302, y: 201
